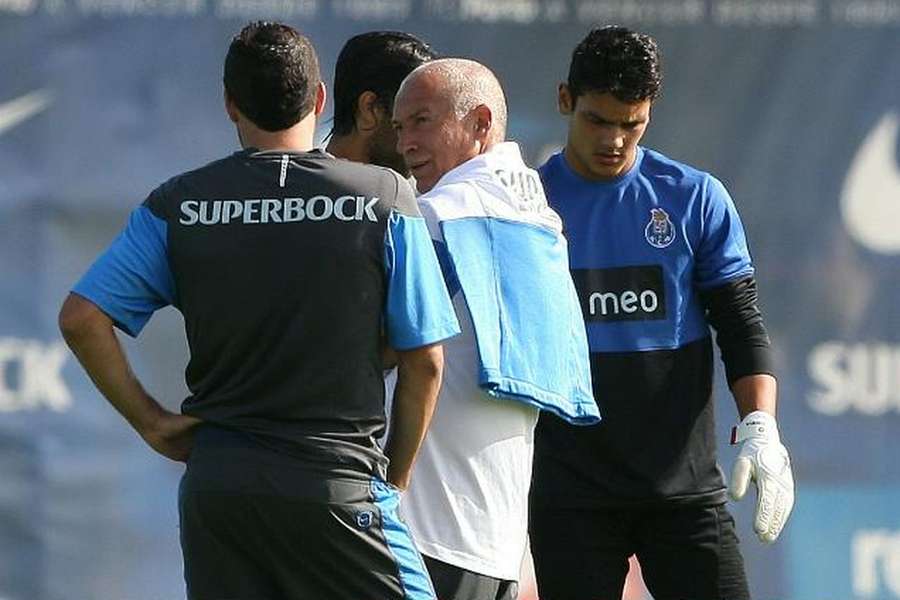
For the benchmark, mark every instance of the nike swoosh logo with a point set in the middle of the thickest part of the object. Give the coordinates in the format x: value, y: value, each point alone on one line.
x: 14, y: 112
x: 871, y: 195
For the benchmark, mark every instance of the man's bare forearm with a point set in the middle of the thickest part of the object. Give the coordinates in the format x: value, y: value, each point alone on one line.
x: 89, y: 333
x: 755, y: 392
x: 418, y: 383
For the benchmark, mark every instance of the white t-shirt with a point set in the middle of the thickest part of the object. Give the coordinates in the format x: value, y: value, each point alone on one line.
x: 467, y: 504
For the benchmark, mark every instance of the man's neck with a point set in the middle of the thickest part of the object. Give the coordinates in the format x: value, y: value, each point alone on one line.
x: 298, y: 138
x: 350, y: 147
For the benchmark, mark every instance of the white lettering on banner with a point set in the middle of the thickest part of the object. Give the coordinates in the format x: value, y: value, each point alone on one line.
x: 115, y: 8
x: 266, y: 9
x: 663, y: 13
x: 17, y: 111
x: 871, y: 193
x: 860, y: 377
x: 19, y: 7
x: 875, y: 559
x: 863, y: 13
x: 555, y: 11
x: 491, y: 11
x: 763, y: 14
x: 766, y: 12
x: 358, y: 10
x: 31, y: 375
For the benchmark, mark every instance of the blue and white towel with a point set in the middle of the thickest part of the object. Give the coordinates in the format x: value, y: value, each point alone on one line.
x: 501, y: 245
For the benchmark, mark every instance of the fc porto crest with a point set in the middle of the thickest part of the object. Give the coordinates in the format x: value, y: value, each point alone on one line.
x: 660, y: 232
x: 364, y: 519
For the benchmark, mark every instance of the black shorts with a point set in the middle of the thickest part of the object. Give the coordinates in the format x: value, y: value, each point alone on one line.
x: 455, y: 583
x: 259, y: 526
x: 685, y: 552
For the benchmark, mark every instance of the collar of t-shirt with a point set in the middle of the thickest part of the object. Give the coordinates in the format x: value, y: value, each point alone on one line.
x: 314, y: 152
x: 620, y: 181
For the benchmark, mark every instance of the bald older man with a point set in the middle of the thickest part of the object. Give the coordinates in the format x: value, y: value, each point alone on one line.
x: 523, y: 346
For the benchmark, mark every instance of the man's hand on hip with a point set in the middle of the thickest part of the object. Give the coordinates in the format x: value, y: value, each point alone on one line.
x: 172, y: 435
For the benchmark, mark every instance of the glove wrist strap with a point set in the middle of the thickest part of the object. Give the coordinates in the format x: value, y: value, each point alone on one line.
x: 758, y: 424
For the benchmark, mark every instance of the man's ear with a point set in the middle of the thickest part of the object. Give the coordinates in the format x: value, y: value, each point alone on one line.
x: 321, y: 96
x: 483, y: 121
x: 367, y: 111
x: 230, y: 109
x: 564, y: 100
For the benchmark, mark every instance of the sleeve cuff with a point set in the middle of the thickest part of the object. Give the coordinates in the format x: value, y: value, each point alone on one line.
x: 754, y: 360
x: 433, y: 335
x: 127, y: 321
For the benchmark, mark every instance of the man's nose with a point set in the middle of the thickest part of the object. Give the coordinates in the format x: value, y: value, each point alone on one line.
x: 611, y: 138
x: 614, y: 138
x: 405, y: 143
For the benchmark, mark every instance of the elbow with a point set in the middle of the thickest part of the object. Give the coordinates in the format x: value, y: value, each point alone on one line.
x: 70, y: 324
x: 78, y: 318
x: 427, y: 362
x: 433, y: 365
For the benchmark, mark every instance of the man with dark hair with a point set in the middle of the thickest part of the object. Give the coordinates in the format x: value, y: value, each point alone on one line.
x: 286, y: 264
x: 257, y: 82
x: 367, y: 75
x: 658, y: 255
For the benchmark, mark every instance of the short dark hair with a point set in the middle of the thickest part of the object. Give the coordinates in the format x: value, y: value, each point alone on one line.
x: 616, y: 60
x: 377, y: 61
x: 271, y: 74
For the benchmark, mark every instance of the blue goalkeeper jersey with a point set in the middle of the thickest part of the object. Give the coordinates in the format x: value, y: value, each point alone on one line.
x: 642, y: 248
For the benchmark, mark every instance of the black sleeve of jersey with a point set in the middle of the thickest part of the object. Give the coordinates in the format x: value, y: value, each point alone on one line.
x: 160, y: 200
x: 405, y: 202
x: 733, y: 312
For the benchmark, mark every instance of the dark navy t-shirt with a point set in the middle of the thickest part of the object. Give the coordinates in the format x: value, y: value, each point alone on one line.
x: 286, y: 267
x: 642, y: 247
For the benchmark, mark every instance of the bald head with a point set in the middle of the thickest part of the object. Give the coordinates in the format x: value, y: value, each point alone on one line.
x: 466, y: 84
x: 447, y: 112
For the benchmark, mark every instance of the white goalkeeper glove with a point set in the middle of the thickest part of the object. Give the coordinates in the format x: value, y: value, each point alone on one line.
x: 765, y: 460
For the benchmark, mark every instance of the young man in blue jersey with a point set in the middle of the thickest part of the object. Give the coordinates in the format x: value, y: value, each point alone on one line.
x: 287, y: 264
x: 658, y: 255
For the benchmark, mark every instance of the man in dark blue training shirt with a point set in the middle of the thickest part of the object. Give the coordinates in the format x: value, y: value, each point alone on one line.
x: 287, y: 264
x: 658, y: 254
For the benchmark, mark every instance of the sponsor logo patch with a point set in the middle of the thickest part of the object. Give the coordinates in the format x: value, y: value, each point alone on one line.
x: 621, y: 294
x: 364, y: 519
x: 275, y: 210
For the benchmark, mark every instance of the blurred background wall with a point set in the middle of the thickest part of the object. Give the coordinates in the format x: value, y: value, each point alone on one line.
x: 794, y: 104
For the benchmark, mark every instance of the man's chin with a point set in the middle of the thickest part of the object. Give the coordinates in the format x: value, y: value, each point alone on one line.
x: 606, y: 171
x: 423, y: 187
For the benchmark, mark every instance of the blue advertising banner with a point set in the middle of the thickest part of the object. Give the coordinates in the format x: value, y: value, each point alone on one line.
x: 793, y: 104
x: 849, y: 546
